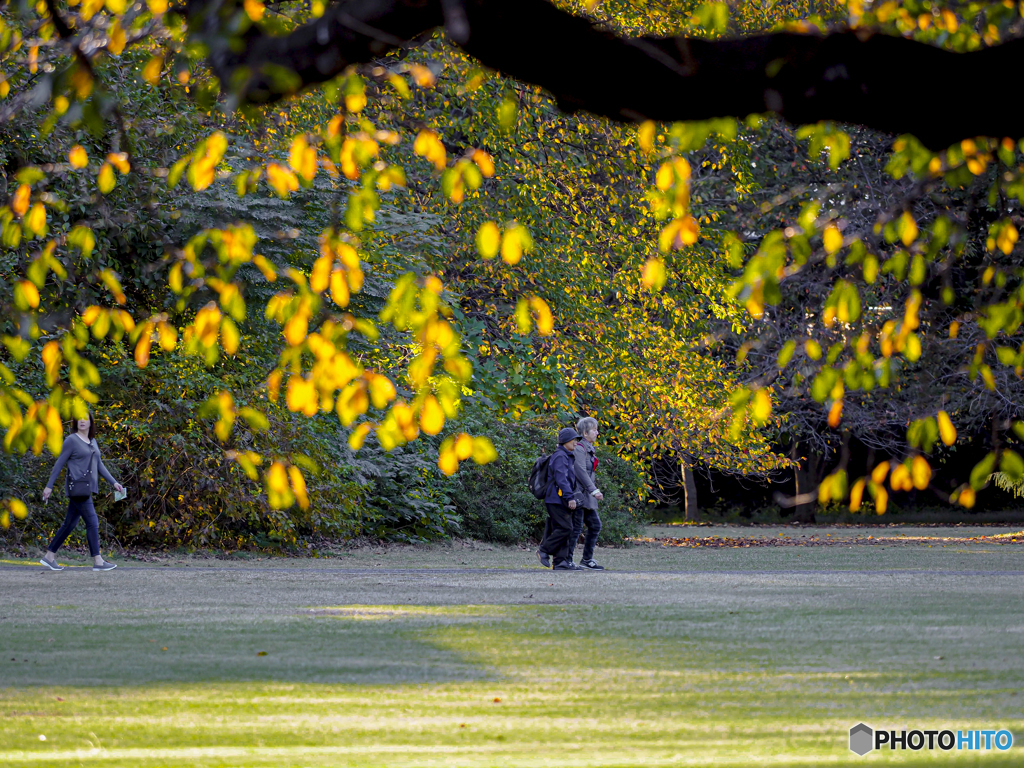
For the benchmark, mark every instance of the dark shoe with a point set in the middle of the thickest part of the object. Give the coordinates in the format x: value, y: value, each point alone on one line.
x: 545, y: 558
x: 104, y: 567
x: 591, y: 565
x: 568, y: 565
x: 52, y: 566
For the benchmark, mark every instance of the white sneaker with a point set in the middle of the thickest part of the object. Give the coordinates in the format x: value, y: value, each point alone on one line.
x: 52, y: 566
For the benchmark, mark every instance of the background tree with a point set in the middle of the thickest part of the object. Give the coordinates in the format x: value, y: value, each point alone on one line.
x: 653, y: 275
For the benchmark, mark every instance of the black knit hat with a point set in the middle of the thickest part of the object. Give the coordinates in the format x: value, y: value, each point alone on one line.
x: 567, y: 434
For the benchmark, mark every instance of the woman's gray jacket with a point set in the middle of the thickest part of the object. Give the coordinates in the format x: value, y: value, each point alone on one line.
x: 81, y: 458
x: 586, y: 459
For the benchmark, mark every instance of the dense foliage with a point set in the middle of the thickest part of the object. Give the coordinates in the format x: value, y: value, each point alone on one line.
x: 422, y: 230
x: 495, y: 504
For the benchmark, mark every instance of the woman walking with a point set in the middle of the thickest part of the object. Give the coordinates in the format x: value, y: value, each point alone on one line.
x: 81, y: 453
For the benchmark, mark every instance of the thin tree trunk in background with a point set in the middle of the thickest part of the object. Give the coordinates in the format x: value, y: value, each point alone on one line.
x: 692, y: 512
x: 806, y: 477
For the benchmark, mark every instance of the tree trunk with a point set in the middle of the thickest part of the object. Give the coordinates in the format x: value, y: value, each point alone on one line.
x: 806, y: 475
x: 692, y: 512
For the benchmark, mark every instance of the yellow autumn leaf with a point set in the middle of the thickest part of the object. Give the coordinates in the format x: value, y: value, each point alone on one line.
x: 298, y: 483
x: 920, y: 472
x: 431, y: 416
x: 514, y: 243
x: 35, y: 221
x: 26, y: 295
x: 688, y: 231
x: 1007, y: 238
x: 354, y: 102
x: 878, y: 473
x: 542, y: 312
x: 447, y: 462
x: 835, y: 414
x: 54, y: 431
x: 339, y: 288
x: 277, y: 478
x: 966, y: 498
x: 151, y: 72
x: 382, y: 390
x: 279, y: 495
x: 116, y: 38
x: 422, y: 76
x: 106, y: 180
x: 143, y: 346
x: 484, y: 162
x: 946, y: 429
x: 352, y: 402
x: 646, y: 136
x: 664, y: 179
x: 120, y: 161
x: 167, y: 335
x: 320, y: 275
x: 881, y: 500
x: 429, y: 146
x: 157, y: 7
x: 52, y: 357
x: 254, y: 9
x: 18, y: 508
x: 281, y: 179
x: 301, y: 396
x: 654, y: 274
x: 900, y: 479
x: 296, y: 328
x: 523, y: 320
x: 358, y: 436
x: 907, y: 228
x: 857, y: 495
x: 20, y: 200
x: 832, y: 239
x: 91, y: 314
x: 483, y: 450
x: 78, y: 157
x: 229, y: 336
x: 488, y: 240
x: 762, y: 406
x: 302, y: 158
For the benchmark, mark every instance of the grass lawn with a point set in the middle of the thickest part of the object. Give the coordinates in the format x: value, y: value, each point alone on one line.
x: 474, y: 656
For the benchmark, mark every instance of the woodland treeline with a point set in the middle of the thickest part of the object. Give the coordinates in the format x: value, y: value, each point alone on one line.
x: 361, y: 304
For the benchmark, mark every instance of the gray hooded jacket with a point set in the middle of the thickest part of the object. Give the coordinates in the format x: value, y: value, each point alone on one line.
x: 586, y: 457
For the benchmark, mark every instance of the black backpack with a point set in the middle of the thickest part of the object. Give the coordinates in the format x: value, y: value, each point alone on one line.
x: 539, y: 477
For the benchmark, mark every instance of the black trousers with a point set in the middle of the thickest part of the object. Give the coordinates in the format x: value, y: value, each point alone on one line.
x: 581, y: 515
x: 557, y: 533
x: 79, y: 506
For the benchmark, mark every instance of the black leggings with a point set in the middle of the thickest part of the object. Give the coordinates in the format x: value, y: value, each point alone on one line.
x: 79, y: 506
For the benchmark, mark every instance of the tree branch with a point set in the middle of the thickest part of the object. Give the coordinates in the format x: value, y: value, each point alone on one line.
x: 891, y: 84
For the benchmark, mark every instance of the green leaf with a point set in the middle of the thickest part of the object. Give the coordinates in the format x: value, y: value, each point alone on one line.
x: 981, y: 472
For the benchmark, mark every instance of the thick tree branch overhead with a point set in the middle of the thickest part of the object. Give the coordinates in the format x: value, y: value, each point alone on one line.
x: 891, y: 84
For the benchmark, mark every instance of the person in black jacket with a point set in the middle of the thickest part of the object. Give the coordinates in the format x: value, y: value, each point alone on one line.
x: 560, y: 500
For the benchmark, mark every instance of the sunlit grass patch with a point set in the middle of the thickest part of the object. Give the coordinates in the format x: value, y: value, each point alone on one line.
x: 389, y: 612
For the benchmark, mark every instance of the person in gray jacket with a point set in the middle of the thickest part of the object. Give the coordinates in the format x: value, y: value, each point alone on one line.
x: 81, y: 454
x: 586, y: 468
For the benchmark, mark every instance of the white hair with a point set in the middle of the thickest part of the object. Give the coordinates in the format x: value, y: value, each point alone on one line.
x: 586, y: 424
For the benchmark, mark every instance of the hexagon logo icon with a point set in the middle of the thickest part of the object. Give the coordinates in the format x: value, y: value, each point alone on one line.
x: 861, y: 738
